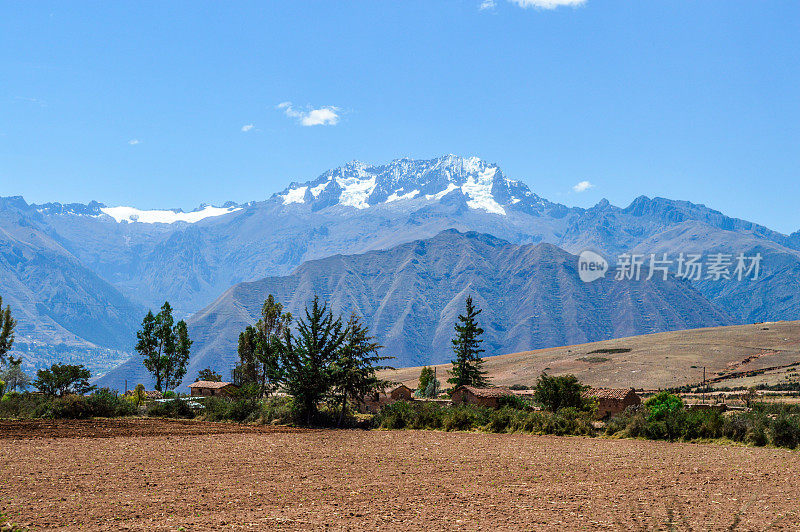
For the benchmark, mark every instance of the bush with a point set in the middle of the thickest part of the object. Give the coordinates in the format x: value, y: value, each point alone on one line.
x: 174, y: 408
x: 67, y: 407
x: 279, y: 410
x: 663, y: 404
x: 15, y: 405
x: 105, y: 403
x: 466, y: 417
x: 220, y: 409
x: 785, y: 432
x: 514, y: 401
x: 399, y: 415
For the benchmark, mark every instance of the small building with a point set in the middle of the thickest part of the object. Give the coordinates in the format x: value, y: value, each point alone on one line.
x: 612, y: 401
x: 210, y: 388
x: 479, y: 396
x: 396, y: 392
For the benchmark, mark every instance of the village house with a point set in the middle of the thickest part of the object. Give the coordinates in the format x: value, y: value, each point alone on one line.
x: 612, y: 401
x: 398, y: 392
x: 210, y: 388
x: 479, y: 396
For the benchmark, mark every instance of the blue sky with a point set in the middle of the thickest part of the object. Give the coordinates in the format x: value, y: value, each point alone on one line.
x: 146, y: 103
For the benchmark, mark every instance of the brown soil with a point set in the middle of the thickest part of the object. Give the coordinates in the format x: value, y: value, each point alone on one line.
x: 161, y: 475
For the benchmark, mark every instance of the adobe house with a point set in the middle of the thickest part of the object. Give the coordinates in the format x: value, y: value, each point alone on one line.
x: 479, y: 396
x: 612, y: 401
x: 211, y: 389
x: 396, y: 392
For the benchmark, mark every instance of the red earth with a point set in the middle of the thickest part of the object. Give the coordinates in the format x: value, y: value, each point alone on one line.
x: 185, y: 475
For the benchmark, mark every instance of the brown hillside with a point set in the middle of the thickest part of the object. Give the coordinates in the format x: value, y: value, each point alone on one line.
x: 734, y: 356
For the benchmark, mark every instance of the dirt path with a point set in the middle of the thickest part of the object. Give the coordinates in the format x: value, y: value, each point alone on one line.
x: 262, y: 479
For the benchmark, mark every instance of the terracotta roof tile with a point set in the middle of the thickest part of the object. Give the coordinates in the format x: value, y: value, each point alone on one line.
x: 619, y: 394
x: 210, y: 384
x: 488, y: 392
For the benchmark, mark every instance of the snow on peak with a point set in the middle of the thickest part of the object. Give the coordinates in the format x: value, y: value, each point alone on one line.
x: 395, y: 196
x: 361, y: 185
x: 295, y: 195
x: 131, y: 214
x: 478, y: 188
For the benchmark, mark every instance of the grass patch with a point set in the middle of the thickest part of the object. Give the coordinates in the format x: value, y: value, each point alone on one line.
x: 593, y: 360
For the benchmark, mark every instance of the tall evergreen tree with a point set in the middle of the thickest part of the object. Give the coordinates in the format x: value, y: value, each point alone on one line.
x: 307, y: 359
x: 468, y: 364
x: 7, y: 324
x: 353, y: 373
x: 165, y: 347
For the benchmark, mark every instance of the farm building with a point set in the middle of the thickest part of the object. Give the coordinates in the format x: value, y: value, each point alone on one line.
x: 479, y: 396
x: 392, y: 394
x: 612, y: 401
x: 210, y: 388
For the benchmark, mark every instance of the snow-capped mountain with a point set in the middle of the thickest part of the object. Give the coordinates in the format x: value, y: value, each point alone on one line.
x: 123, y: 214
x: 137, y: 259
x: 361, y: 186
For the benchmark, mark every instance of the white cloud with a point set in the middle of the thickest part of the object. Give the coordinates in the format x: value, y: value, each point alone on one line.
x: 547, y: 4
x: 583, y: 186
x: 487, y: 4
x: 323, y: 116
x: 247, y: 127
x: 134, y: 142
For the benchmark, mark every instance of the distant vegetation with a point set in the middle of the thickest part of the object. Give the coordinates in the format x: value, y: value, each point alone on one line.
x: 327, y: 367
x: 593, y: 360
x: 611, y: 350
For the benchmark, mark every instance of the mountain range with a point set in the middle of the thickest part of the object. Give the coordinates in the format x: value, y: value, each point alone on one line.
x: 81, y: 275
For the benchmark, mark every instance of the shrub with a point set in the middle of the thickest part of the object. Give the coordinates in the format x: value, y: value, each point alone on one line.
x: 21, y: 405
x: 785, y: 432
x: 105, y: 403
x: 501, y: 420
x: 398, y: 415
x: 514, y: 401
x: 279, y: 410
x: 663, y: 404
x: 220, y: 409
x: 465, y: 417
x: 174, y: 408
x: 68, y: 407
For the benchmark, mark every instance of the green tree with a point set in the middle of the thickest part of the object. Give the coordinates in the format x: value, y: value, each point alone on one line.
x: 62, y: 379
x: 308, y: 358
x: 14, y: 376
x: 260, y: 348
x: 564, y: 391
x: 468, y: 364
x: 165, y: 347
x: 353, y: 372
x: 209, y: 375
x: 138, y: 394
x: 663, y: 404
x: 428, y: 385
x: 7, y: 324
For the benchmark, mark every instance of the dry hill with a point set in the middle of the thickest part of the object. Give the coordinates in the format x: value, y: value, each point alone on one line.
x: 740, y: 355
